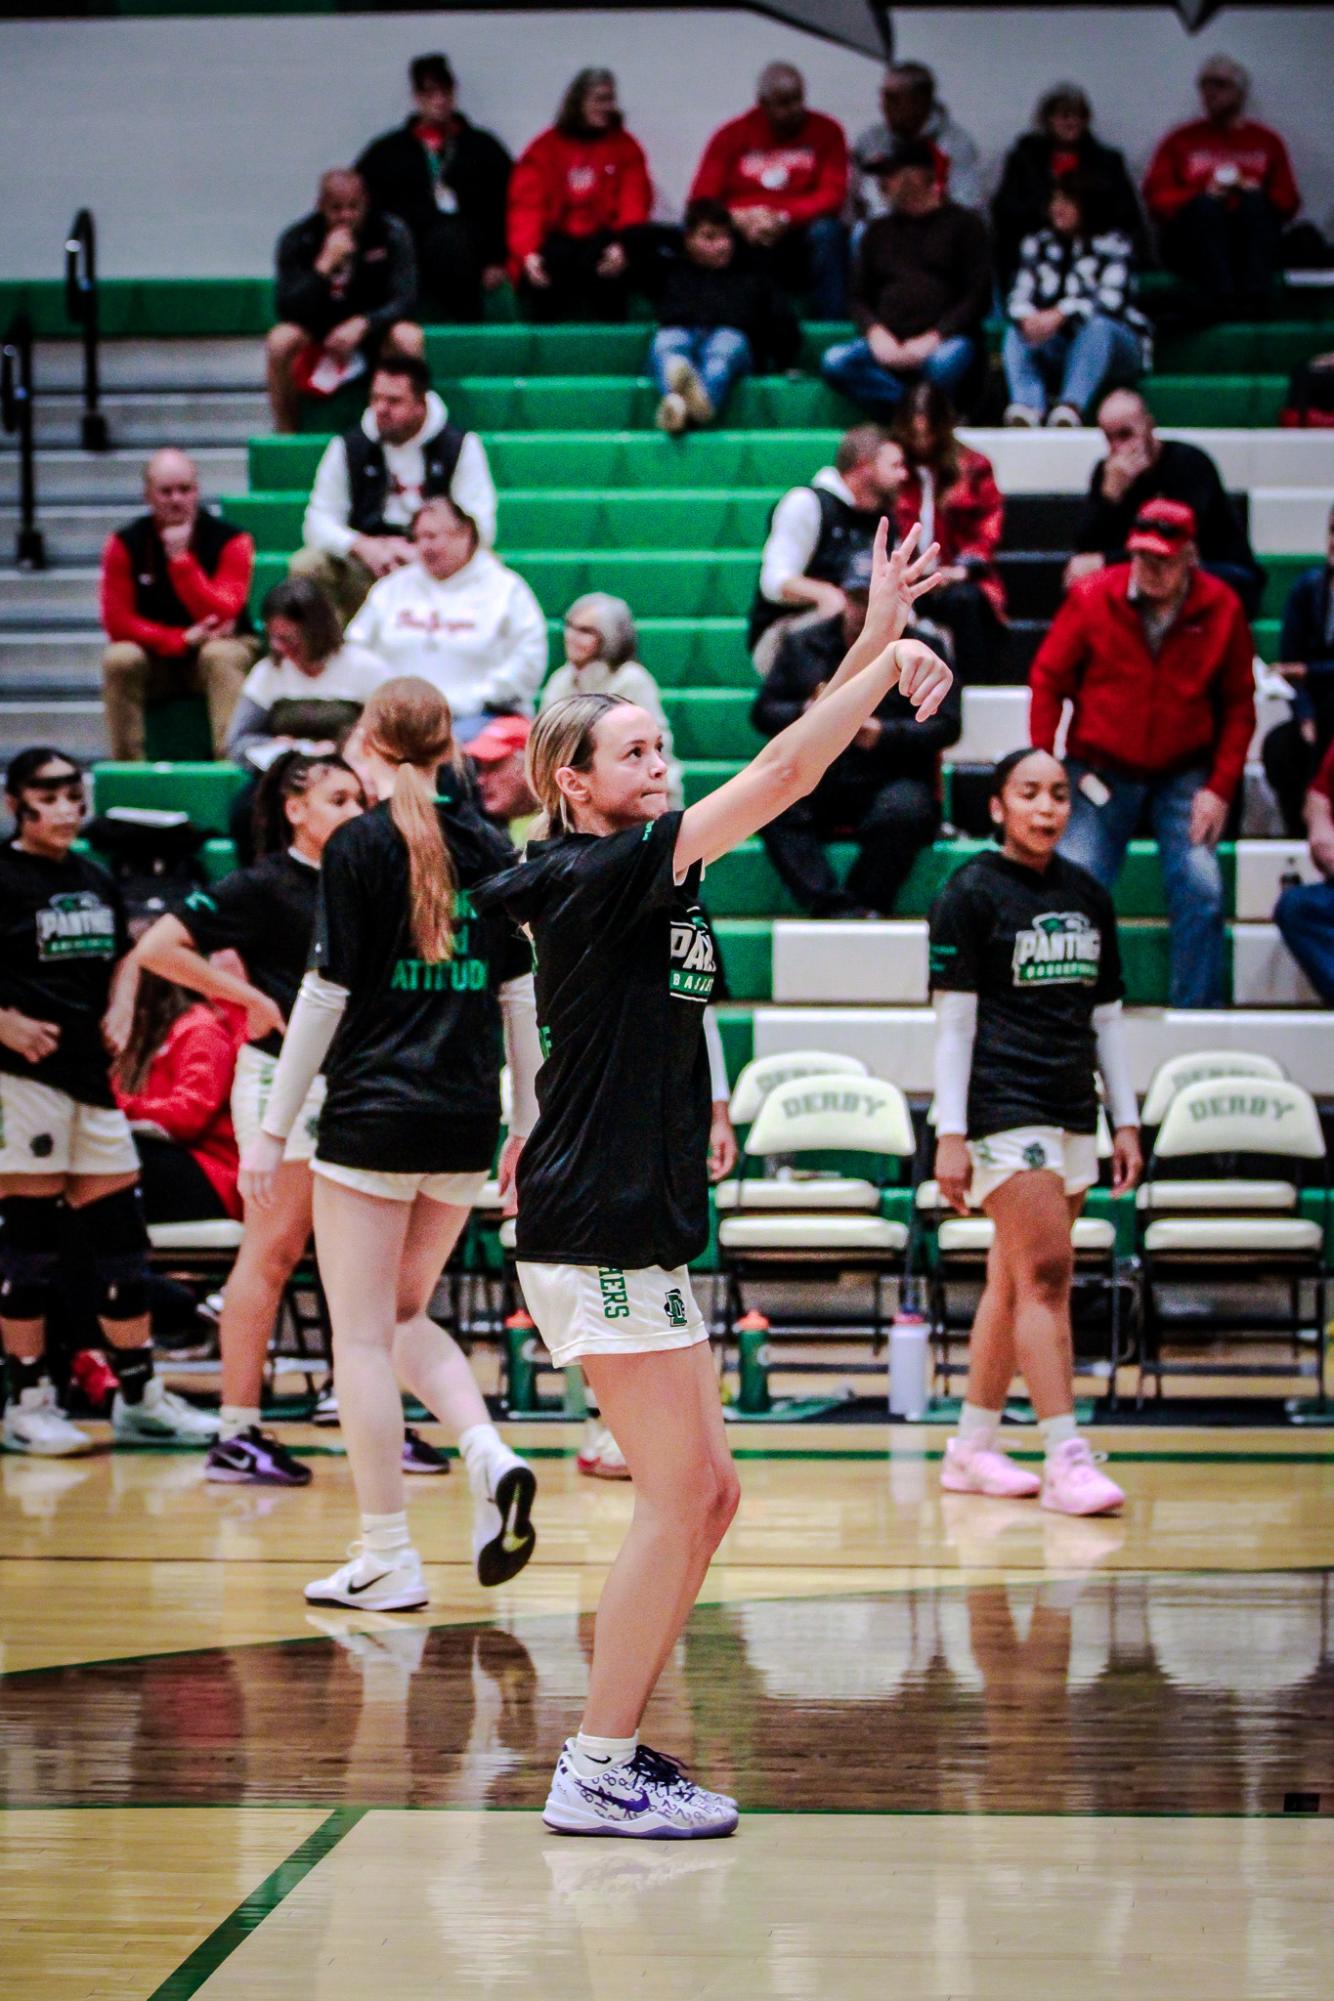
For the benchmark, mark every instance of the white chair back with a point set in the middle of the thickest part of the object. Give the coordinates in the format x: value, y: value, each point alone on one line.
x: 1198, y: 1065
x: 760, y: 1075
x: 1241, y: 1114
x: 833, y: 1111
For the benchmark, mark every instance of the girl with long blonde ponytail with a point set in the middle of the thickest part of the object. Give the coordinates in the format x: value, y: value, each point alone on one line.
x: 409, y: 990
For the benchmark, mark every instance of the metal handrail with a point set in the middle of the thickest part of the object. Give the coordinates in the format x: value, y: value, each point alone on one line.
x: 81, y: 306
x: 16, y: 415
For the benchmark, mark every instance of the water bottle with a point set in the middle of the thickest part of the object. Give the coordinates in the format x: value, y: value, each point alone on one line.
x: 909, y: 1365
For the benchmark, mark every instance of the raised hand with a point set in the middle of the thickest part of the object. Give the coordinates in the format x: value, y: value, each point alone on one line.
x: 897, y: 581
x: 924, y: 678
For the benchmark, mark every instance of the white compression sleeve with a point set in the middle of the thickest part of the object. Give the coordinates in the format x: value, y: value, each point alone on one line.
x: 719, y: 1087
x: 1114, y: 1062
x: 315, y: 1018
x: 956, y: 1028
x: 523, y: 1051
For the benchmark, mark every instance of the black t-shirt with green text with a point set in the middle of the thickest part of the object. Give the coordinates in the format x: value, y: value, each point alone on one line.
x: 1040, y: 951
x: 414, y: 1072
x: 62, y: 929
x: 267, y: 914
x: 615, y: 1171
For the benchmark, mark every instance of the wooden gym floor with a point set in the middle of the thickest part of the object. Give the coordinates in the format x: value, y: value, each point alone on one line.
x: 982, y: 1751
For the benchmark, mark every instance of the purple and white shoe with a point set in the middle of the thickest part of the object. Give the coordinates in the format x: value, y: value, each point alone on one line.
x: 254, y: 1458
x: 648, y: 1799
x: 420, y: 1456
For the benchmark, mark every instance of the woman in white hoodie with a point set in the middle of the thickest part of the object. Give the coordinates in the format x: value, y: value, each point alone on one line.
x: 460, y: 619
x: 600, y: 648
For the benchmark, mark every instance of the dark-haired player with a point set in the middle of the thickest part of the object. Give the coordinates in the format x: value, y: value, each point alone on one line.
x: 1026, y: 975
x: 66, y: 1152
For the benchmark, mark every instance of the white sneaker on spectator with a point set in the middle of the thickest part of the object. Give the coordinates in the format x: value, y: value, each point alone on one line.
x: 1065, y: 417
x: 672, y: 414
x: 36, y: 1424
x: 162, y: 1418
x: 1019, y: 417
x: 683, y: 381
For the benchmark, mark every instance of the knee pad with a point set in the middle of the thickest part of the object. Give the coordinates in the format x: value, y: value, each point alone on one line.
x: 30, y: 1245
x: 117, y: 1239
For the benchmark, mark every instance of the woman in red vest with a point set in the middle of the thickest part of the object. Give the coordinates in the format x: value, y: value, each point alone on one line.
x: 579, y: 206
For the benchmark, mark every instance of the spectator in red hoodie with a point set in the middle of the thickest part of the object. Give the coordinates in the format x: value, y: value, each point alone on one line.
x: 579, y: 205
x: 782, y: 170
x: 174, y: 587
x: 173, y: 1081
x: 1220, y: 190
x: 1156, y: 657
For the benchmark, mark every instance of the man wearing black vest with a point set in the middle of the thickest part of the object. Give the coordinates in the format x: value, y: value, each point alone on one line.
x: 371, y: 481
x: 174, y: 588
x: 812, y: 533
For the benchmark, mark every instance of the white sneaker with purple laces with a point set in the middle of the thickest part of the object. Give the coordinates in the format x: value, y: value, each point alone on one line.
x: 648, y: 1799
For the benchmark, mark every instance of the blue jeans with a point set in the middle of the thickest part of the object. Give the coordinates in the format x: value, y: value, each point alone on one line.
x: 851, y: 367
x: 1073, y: 365
x: 1097, y: 838
x: 718, y: 356
x: 1305, y: 917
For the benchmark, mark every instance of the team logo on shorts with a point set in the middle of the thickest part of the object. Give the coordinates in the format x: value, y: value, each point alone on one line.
x: 1062, y: 948
x: 1035, y: 1154
x: 675, y: 1308
x: 694, y: 963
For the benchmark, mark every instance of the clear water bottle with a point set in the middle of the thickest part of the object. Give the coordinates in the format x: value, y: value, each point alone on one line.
x: 909, y: 1365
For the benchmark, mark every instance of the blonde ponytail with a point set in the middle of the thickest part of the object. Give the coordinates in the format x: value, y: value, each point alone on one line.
x: 408, y: 723
x: 563, y: 738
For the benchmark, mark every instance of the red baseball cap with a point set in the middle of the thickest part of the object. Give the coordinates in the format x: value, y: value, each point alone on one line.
x: 500, y: 739
x: 1162, y: 528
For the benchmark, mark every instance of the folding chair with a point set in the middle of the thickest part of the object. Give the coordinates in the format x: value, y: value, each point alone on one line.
x: 780, y: 1229
x: 1195, y: 1067
x: 203, y: 1253
x: 1251, y: 1141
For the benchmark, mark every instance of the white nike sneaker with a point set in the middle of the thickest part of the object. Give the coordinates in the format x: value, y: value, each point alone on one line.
x: 38, y: 1425
x: 388, y: 1581
x: 162, y: 1418
x: 503, y: 1537
x: 648, y: 1799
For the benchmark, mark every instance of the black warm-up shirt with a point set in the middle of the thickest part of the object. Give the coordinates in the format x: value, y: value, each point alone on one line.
x: 62, y: 929
x: 414, y: 1072
x: 1040, y: 952
x: 267, y: 914
x: 615, y: 1170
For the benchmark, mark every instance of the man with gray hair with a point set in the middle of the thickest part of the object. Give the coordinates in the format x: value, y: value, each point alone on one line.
x: 174, y: 586
x: 911, y: 111
x: 782, y: 171
x: 1220, y: 190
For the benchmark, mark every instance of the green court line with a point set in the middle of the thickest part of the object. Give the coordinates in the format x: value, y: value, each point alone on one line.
x: 251, y: 1912
x: 352, y: 1814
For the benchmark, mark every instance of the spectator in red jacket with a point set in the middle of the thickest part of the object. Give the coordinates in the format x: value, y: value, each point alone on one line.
x: 174, y: 588
x: 952, y: 491
x: 782, y: 170
x: 579, y: 205
x: 1220, y: 190
x: 1156, y: 657
x: 173, y: 1081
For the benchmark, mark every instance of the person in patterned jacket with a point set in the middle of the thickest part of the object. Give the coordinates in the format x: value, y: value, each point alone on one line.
x: 1073, y: 327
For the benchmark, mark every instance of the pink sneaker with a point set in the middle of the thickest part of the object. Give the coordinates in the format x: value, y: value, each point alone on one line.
x: 984, y: 1469
x: 1072, y: 1484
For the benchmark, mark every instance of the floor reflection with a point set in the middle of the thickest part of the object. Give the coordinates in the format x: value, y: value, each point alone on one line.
x: 1077, y: 1693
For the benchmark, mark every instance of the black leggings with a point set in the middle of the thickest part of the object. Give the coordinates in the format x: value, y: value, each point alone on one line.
x: 175, y: 1187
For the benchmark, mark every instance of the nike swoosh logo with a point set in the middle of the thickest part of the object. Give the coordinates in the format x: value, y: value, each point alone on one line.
x: 632, y: 1802
x: 355, y: 1590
